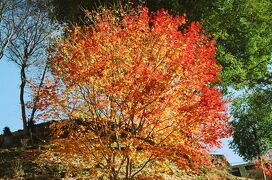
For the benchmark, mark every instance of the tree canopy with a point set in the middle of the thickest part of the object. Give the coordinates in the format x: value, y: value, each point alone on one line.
x: 133, y: 89
x: 252, y: 136
x: 242, y: 30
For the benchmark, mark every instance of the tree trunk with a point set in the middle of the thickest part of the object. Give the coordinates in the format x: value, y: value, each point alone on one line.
x: 127, y: 168
x: 22, y: 100
x: 36, y: 99
x: 262, y: 167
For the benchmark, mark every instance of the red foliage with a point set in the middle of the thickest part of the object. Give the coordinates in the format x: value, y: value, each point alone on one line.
x: 265, y: 164
x: 135, y: 87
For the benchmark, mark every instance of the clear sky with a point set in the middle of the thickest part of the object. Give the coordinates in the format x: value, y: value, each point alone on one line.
x: 9, y: 96
x: 10, y: 106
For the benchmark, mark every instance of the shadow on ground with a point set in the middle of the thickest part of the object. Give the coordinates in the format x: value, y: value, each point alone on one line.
x: 19, y: 163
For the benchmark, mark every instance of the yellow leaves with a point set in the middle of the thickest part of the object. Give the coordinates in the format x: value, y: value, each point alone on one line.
x: 132, y: 90
x: 162, y: 167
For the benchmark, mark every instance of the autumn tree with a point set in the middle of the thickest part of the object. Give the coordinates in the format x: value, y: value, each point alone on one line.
x: 243, y: 33
x: 132, y: 89
x: 27, y: 48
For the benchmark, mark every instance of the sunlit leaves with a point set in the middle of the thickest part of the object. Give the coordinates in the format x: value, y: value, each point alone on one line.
x: 132, y: 89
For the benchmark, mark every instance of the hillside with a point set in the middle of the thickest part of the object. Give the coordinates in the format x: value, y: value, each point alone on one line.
x: 19, y: 163
x: 32, y: 162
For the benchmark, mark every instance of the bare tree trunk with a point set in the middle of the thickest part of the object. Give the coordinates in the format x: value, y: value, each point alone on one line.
x: 22, y: 100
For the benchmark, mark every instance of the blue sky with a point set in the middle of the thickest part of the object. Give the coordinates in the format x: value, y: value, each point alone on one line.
x: 9, y: 96
x: 10, y: 106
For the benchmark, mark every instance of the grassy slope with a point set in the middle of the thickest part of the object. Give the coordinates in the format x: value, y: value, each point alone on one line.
x: 26, y: 163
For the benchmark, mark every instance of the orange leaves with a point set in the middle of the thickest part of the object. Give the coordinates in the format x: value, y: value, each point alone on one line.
x: 265, y: 166
x: 133, y: 84
x: 264, y: 163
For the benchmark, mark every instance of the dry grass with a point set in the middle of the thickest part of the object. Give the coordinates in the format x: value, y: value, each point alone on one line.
x: 25, y: 162
x: 16, y: 163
